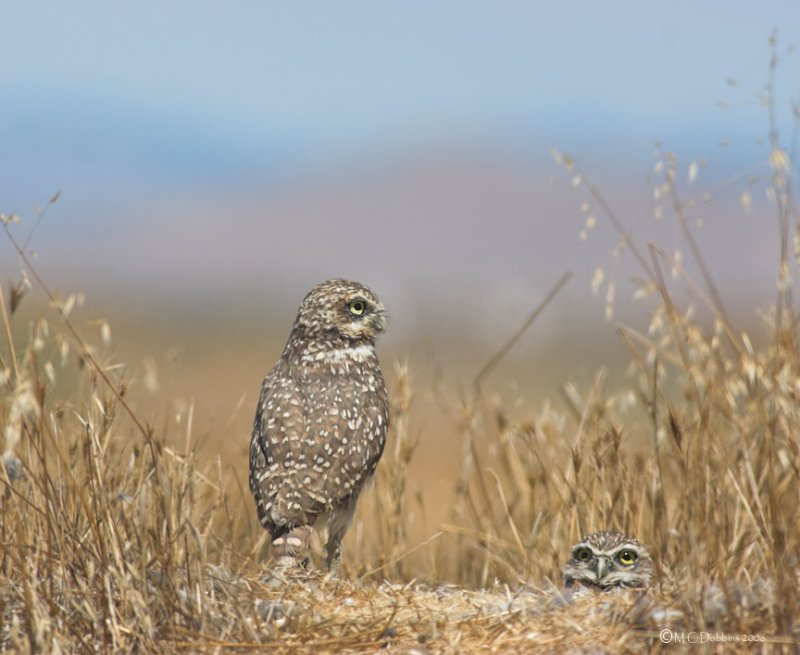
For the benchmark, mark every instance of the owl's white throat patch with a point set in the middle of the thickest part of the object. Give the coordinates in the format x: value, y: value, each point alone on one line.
x: 338, y: 355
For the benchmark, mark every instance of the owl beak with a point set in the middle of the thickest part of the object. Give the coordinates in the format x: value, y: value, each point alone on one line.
x: 602, y: 567
x: 379, y: 321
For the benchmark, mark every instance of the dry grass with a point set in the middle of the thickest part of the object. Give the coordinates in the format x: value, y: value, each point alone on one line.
x: 118, y: 536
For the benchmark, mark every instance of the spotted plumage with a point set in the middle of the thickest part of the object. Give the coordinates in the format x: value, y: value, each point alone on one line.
x: 322, y: 417
x: 607, y: 560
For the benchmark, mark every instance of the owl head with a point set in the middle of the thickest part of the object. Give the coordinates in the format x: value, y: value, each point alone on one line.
x: 341, y: 309
x: 606, y: 560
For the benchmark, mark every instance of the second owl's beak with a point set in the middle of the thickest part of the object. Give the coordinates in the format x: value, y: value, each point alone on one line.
x: 602, y: 568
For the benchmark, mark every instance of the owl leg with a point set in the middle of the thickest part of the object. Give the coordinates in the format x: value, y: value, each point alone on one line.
x: 338, y: 523
x: 333, y: 550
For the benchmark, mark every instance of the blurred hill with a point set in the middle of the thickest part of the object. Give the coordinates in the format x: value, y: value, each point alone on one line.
x: 436, y: 227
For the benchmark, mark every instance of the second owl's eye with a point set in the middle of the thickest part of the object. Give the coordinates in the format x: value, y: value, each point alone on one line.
x: 626, y: 557
x: 582, y: 554
x: 357, y: 307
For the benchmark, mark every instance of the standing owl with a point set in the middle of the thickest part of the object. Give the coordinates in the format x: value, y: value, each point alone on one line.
x: 322, y: 417
x: 607, y: 560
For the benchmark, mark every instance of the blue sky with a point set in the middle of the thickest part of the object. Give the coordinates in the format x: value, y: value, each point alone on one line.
x: 208, y: 91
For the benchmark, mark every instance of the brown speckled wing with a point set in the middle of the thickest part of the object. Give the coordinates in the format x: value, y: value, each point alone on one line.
x: 316, y: 440
x: 276, y: 454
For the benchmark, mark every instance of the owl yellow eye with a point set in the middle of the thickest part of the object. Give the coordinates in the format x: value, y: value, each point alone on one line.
x: 357, y: 307
x: 627, y: 557
x: 582, y: 554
